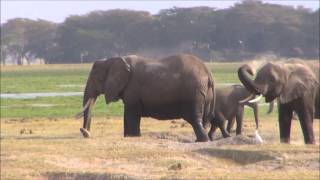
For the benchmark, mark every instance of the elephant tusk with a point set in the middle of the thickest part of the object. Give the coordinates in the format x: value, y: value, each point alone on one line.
x: 92, y: 103
x: 258, y: 137
x: 256, y: 99
x: 80, y: 114
x: 246, y: 99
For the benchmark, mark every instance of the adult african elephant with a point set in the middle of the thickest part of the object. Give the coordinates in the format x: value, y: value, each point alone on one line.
x: 230, y: 102
x: 294, y: 84
x: 315, y: 68
x: 178, y: 86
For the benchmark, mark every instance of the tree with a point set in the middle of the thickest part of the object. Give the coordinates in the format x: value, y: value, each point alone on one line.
x: 243, y: 31
x: 27, y: 39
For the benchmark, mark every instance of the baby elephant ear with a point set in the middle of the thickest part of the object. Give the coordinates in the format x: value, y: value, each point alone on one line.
x: 300, y: 82
x: 117, y: 79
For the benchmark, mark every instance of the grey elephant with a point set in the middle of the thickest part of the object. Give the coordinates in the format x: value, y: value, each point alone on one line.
x: 230, y: 102
x: 315, y: 68
x: 294, y: 84
x: 178, y: 86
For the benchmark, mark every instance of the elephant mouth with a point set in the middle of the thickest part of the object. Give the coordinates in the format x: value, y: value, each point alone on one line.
x: 270, y: 98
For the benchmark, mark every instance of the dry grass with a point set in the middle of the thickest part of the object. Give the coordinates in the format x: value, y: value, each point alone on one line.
x: 55, y: 150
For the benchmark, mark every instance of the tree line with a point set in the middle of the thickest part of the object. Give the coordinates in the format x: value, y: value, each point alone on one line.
x: 243, y: 31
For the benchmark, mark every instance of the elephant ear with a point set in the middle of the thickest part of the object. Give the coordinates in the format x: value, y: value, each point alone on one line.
x: 300, y: 81
x: 117, y: 79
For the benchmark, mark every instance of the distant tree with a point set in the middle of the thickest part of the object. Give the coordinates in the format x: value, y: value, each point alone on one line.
x: 247, y: 29
x: 104, y: 33
x: 25, y: 38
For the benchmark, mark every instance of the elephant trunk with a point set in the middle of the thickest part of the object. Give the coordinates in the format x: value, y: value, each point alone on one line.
x: 246, y: 81
x: 271, y: 106
x: 89, y: 99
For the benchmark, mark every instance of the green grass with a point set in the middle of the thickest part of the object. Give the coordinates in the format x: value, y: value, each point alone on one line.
x: 62, y: 78
x: 68, y: 78
x: 69, y: 106
x: 56, y: 107
x: 224, y: 72
x: 43, y: 78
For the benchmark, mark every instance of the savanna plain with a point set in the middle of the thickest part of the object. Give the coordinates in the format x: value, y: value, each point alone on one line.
x: 40, y: 137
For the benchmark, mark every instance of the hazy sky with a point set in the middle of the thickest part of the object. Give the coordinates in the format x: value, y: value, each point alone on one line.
x: 57, y: 11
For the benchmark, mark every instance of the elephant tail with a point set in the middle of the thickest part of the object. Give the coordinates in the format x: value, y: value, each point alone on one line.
x: 213, y: 101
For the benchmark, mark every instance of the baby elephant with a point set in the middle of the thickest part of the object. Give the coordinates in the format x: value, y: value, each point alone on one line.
x: 229, y: 106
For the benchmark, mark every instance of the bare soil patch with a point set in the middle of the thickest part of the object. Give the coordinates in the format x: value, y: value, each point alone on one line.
x: 166, y: 150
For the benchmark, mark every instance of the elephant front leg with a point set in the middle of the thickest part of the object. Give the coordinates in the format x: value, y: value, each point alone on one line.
x: 239, y: 119
x: 220, y: 121
x: 285, y: 118
x: 131, y: 122
x: 230, y: 124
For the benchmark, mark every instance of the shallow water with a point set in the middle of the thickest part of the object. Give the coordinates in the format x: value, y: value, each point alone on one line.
x: 71, y: 85
x: 56, y: 94
x: 29, y: 105
x: 35, y: 95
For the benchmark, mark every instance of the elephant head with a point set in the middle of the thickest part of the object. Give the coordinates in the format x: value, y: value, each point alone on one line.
x: 108, y: 77
x: 286, y: 81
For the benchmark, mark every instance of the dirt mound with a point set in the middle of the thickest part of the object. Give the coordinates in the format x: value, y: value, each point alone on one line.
x: 189, y: 138
x: 172, y: 136
x: 237, y: 140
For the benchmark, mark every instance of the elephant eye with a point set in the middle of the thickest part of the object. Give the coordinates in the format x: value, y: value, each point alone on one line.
x: 272, y: 78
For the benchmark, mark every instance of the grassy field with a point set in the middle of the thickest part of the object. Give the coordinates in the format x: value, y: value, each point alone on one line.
x: 40, y: 137
x: 69, y: 78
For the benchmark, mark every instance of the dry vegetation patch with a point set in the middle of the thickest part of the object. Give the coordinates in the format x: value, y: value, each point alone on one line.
x: 166, y: 150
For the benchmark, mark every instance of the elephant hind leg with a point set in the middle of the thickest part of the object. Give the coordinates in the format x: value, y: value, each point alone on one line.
x: 305, y: 115
x: 199, y: 131
x: 195, y: 118
x: 212, y: 130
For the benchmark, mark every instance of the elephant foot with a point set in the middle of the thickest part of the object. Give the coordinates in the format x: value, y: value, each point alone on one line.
x: 310, y: 141
x: 202, y: 139
x: 132, y: 134
x: 85, y: 133
x: 226, y: 135
x: 210, y: 138
x: 285, y: 140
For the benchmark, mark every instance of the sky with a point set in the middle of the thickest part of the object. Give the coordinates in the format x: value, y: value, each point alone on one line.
x: 58, y: 10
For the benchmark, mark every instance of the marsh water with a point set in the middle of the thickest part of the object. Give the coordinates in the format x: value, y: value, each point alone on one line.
x: 36, y: 95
